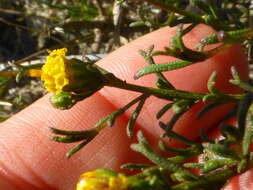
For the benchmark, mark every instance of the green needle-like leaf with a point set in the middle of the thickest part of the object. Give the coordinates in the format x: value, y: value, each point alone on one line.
x: 194, y: 165
x: 163, y: 147
x: 132, y: 166
x: 243, y: 110
x: 162, y: 81
x: 175, y: 135
x: 248, y: 134
x: 161, y: 68
x: 207, y: 108
x: 63, y: 132
x: 111, y: 118
x: 144, y: 148
x: 211, y: 83
x: 164, y: 109
x: 211, y: 39
x: 68, y: 139
x: 134, y: 117
x: 211, y: 165
x: 238, y: 82
x: 76, y: 149
x: 213, y: 179
x: 221, y: 151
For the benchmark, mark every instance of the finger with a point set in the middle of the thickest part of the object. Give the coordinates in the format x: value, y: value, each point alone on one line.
x: 24, y: 134
x: 30, y: 160
x: 243, y: 181
x: 193, y: 78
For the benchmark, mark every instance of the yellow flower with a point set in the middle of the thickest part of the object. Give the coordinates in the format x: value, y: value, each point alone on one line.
x: 71, y: 80
x: 53, y: 72
x: 102, y: 179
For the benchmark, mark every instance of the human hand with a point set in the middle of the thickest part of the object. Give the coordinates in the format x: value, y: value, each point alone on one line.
x: 30, y: 160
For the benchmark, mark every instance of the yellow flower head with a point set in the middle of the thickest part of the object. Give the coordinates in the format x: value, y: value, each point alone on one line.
x: 53, y: 72
x: 102, y: 179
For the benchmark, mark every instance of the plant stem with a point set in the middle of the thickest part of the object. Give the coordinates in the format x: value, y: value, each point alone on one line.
x: 215, y: 177
x: 169, y: 94
x: 8, y: 73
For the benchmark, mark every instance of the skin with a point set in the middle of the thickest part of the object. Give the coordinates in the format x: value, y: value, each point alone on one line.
x: 243, y: 181
x: 30, y: 160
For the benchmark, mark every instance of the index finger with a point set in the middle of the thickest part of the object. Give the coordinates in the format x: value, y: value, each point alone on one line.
x: 30, y: 160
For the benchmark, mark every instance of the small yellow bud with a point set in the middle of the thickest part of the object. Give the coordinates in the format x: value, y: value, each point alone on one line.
x: 102, y: 179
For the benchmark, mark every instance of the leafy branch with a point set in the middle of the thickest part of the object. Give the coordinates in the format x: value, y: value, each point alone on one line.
x: 182, y: 101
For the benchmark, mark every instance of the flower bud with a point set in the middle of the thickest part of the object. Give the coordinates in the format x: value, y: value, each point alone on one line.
x: 60, y: 74
x: 83, y: 77
x: 102, y: 179
x: 63, y: 101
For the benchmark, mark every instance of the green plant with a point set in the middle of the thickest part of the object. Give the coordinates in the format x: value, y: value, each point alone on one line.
x: 223, y: 158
